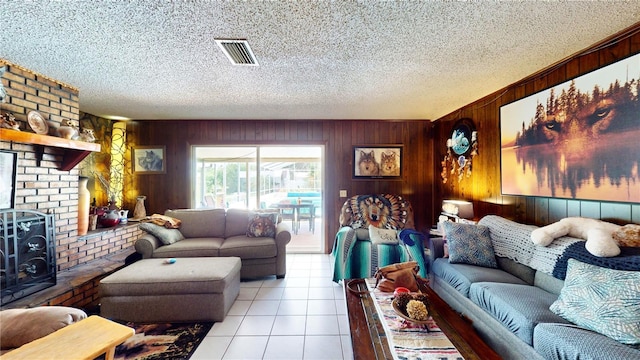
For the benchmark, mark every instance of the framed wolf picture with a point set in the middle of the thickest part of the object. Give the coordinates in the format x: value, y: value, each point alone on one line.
x: 149, y: 160
x: 576, y: 140
x: 377, y: 162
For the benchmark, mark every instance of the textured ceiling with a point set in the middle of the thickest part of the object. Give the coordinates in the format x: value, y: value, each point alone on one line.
x: 318, y: 59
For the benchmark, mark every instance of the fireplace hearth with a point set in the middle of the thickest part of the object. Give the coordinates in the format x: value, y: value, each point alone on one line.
x: 27, y: 253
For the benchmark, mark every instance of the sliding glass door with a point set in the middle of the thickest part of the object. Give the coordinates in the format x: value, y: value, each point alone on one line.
x: 286, y: 178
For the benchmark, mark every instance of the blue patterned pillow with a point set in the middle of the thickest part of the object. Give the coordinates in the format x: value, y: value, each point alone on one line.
x: 469, y: 244
x: 602, y: 300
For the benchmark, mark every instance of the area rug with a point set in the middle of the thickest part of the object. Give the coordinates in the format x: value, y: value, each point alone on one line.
x: 163, y: 341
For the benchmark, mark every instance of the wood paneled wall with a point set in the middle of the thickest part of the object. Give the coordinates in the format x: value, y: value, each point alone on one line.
x: 173, y: 189
x: 483, y: 187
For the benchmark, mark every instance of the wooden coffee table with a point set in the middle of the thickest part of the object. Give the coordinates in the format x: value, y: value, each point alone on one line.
x: 370, y: 342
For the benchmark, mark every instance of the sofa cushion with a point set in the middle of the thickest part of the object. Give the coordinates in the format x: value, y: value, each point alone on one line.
x: 22, y: 326
x: 190, y: 247
x: 200, y: 223
x: 249, y: 248
x: 603, y: 300
x: 570, y: 342
x: 461, y: 276
x: 518, y: 307
x: 166, y: 236
x: 237, y: 222
x: 469, y: 244
x: 262, y: 224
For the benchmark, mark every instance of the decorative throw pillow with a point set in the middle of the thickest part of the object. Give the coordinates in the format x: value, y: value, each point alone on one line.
x: 469, y: 244
x: 166, y: 236
x: 602, y: 300
x: 262, y: 224
x: 383, y: 236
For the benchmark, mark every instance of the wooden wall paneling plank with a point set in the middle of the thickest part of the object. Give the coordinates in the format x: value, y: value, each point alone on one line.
x: 615, y: 52
x: 542, y: 211
x: 589, y: 62
x: 634, y: 44
x: 573, y: 69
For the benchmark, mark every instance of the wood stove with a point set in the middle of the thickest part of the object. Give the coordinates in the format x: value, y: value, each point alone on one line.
x: 27, y: 253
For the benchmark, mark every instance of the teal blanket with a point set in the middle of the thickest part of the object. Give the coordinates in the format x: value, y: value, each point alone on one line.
x: 355, y: 258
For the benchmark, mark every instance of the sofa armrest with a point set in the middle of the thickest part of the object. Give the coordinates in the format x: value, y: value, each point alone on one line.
x: 283, y: 235
x: 146, y: 245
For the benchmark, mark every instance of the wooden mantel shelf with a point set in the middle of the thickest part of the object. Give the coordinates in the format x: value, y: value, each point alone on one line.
x: 74, y: 151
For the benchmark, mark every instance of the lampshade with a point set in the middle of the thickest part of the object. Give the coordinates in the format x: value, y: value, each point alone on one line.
x: 459, y: 208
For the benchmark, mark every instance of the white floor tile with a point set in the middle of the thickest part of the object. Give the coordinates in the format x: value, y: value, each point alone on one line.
x: 301, y: 293
x: 256, y: 325
x: 264, y: 307
x: 298, y: 282
x: 248, y: 293
x: 300, y: 317
x: 320, y: 293
x: 289, y: 325
x: 322, y: 347
x: 284, y: 348
x: 270, y: 293
x: 246, y: 348
x: 322, y: 325
x: 347, y: 347
x: 212, y: 348
x: 321, y: 307
x: 292, y: 307
x: 239, y: 307
x: 226, y: 328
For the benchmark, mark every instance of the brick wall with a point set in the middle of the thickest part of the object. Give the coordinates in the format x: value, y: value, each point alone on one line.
x: 45, y: 188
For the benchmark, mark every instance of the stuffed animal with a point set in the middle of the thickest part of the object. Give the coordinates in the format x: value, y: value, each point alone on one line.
x: 598, y: 233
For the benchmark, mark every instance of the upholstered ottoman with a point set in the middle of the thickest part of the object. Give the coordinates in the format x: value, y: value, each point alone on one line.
x: 191, y: 289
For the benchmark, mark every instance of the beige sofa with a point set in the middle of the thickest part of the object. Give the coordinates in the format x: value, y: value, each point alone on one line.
x: 218, y: 233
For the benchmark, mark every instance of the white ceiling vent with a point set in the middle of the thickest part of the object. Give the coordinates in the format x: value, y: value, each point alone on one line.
x: 237, y: 51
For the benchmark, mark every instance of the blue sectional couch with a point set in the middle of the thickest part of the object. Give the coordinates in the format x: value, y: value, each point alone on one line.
x: 509, y: 305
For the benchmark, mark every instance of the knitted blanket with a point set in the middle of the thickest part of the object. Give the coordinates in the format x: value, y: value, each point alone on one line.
x: 512, y: 240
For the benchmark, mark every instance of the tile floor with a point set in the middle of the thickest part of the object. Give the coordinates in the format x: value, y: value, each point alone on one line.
x: 302, y: 316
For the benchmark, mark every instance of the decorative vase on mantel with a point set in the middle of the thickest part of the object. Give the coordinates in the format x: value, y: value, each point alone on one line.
x: 139, y: 211
x: 83, y: 205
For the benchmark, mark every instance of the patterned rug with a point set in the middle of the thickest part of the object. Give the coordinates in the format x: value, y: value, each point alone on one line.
x: 163, y: 341
x: 410, y: 341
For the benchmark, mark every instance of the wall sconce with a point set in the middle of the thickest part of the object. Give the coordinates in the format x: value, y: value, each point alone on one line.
x: 458, y: 209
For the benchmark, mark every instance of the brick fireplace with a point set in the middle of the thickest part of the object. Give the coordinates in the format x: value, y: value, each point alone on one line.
x: 42, y: 186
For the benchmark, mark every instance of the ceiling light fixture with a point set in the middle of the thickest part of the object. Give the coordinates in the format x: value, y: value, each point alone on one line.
x: 237, y: 51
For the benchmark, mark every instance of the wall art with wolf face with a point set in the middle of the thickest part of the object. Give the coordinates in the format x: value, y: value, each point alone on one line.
x: 577, y: 140
x: 377, y: 162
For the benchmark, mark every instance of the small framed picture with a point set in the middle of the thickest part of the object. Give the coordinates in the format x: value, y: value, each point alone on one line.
x: 377, y: 162
x: 149, y: 160
x: 8, y: 168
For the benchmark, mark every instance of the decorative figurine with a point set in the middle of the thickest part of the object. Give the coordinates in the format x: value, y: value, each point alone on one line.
x: 8, y: 121
x: 87, y: 135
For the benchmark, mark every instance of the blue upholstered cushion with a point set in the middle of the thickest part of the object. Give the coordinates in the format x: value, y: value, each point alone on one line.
x: 603, y: 300
x: 570, y: 342
x: 461, y: 276
x: 518, y: 307
x: 469, y: 244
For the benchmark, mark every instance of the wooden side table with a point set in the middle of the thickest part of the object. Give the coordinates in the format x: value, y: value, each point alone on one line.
x: 86, y: 339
